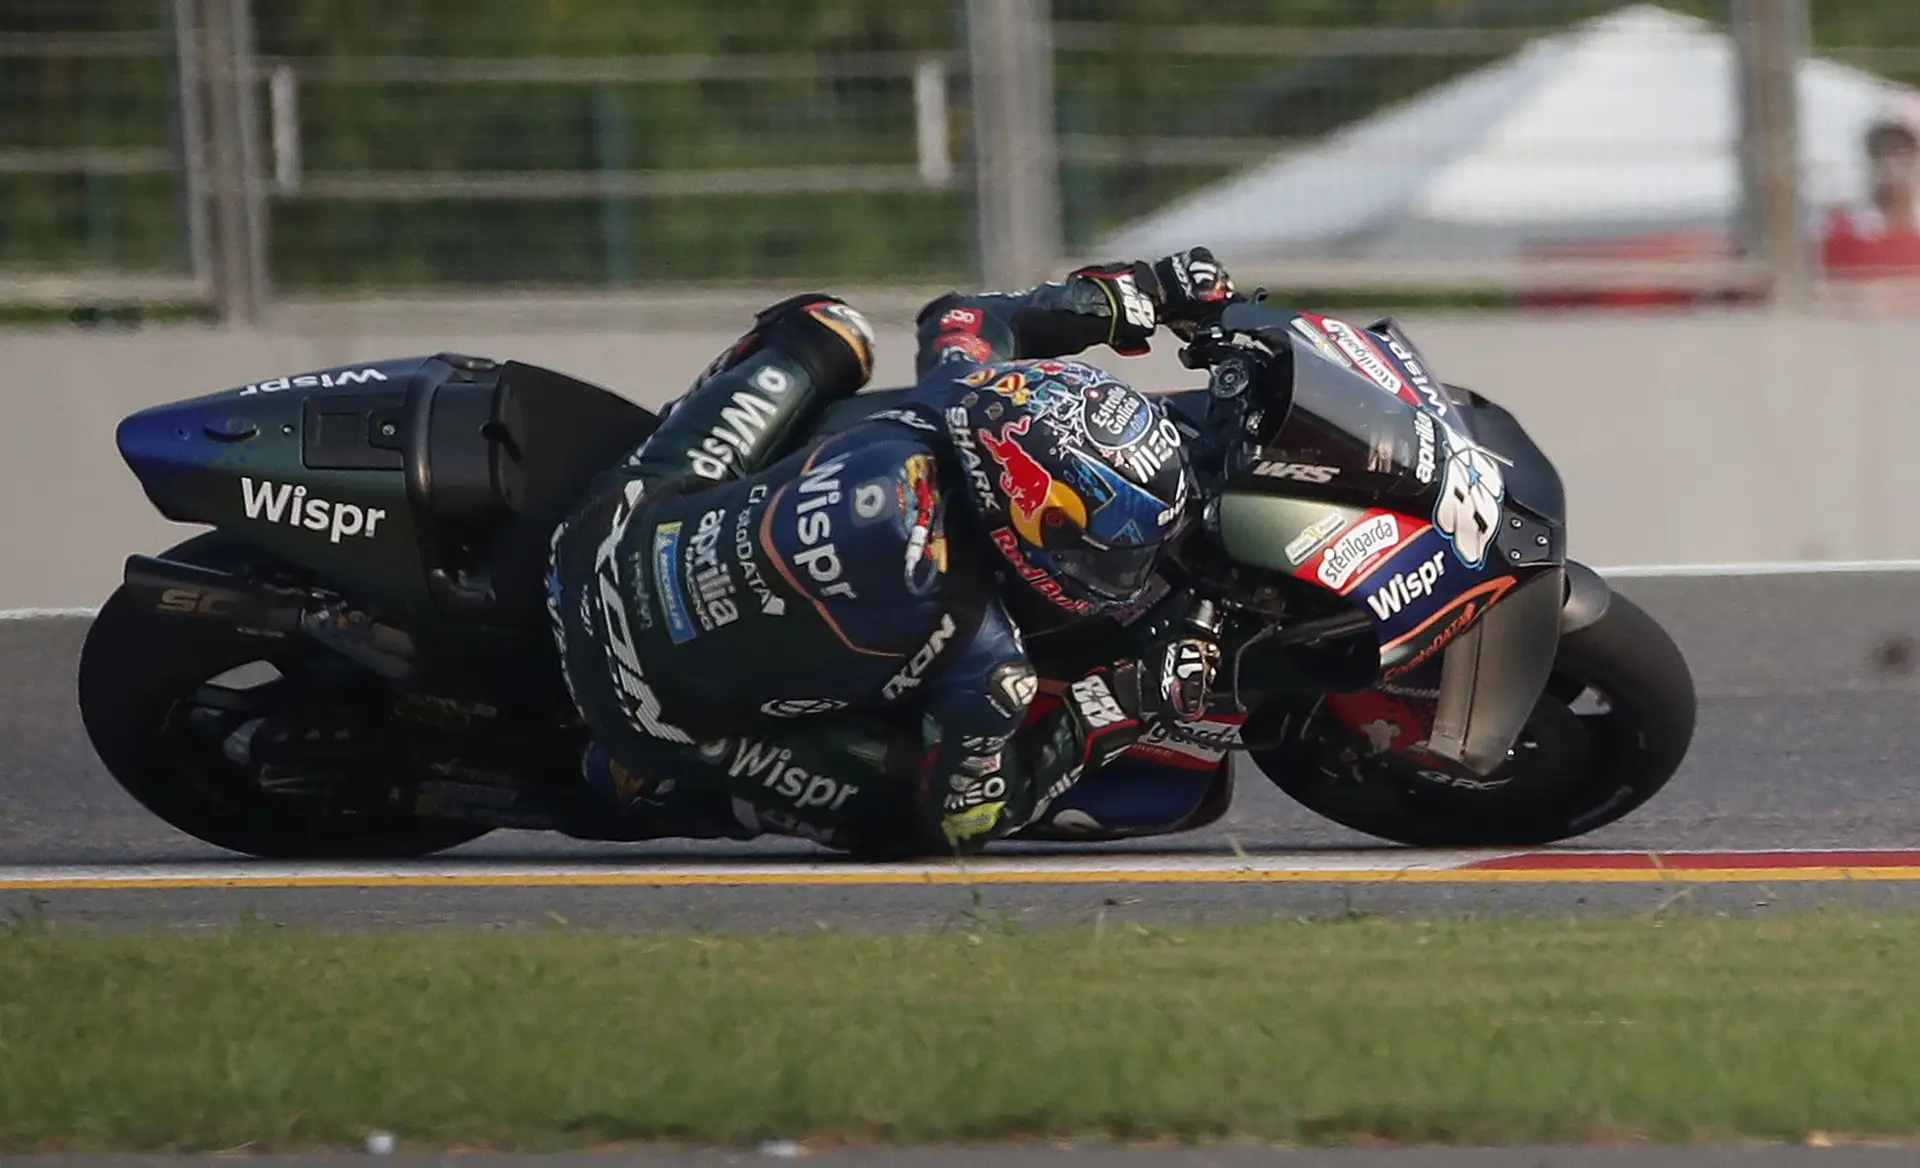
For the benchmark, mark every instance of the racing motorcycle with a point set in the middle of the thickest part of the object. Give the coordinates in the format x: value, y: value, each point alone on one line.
x: 355, y: 661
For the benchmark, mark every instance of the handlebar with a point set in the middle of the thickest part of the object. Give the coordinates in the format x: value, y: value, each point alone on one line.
x: 1245, y: 351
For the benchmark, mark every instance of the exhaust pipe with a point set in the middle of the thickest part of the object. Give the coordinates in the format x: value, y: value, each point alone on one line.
x: 172, y: 588
x: 189, y: 590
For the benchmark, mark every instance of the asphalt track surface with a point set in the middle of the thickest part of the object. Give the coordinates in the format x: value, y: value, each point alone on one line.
x: 1809, y: 738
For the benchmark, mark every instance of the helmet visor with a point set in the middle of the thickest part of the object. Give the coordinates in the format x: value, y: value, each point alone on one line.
x: 1111, y: 573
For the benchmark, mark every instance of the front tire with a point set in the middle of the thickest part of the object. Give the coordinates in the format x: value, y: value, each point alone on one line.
x: 138, y: 669
x: 1590, y: 767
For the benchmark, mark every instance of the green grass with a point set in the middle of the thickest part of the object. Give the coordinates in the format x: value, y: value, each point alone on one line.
x: 1672, y: 1028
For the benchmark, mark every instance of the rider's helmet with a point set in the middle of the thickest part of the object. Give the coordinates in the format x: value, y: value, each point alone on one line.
x: 1079, y: 479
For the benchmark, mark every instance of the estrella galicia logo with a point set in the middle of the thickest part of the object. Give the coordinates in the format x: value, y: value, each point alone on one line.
x: 666, y: 577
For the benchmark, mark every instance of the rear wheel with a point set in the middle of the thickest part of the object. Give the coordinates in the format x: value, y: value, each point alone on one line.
x: 158, y: 695
x: 1610, y: 731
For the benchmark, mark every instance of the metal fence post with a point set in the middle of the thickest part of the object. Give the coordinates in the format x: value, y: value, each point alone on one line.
x: 1016, y: 158
x: 191, y: 140
x: 1771, y: 38
x: 233, y: 158
x: 250, y: 89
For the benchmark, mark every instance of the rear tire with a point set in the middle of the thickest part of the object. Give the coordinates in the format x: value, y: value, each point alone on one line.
x: 1622, y: 755
x: 136, y: 670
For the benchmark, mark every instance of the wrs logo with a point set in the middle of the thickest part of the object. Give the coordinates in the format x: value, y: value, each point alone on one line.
x: 290, y: 505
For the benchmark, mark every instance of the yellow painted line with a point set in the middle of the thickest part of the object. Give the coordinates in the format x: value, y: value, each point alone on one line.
x: 961, y: 877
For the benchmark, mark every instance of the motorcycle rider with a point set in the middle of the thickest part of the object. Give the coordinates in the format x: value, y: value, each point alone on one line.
x: 736, y: 622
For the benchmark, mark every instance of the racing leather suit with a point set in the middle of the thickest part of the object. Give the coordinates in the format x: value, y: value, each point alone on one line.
x: 815, y: 645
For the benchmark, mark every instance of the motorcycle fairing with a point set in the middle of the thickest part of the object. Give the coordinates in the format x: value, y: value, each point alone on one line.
x: 1417, y: 581
x: 1470, y: 585
x: 467, y: 481
x: 274, y: 461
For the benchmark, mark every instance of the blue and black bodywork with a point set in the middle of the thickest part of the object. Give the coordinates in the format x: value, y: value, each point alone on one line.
x: 423, y: 488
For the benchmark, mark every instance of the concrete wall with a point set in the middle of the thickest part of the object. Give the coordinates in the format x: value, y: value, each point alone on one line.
x: 1693, y: 439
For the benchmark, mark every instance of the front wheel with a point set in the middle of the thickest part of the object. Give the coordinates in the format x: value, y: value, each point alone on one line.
x: 1612, y: 728
x: 149, y: 686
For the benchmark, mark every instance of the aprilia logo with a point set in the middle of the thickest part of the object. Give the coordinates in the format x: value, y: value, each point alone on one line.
x: 709, y: 581
x: 290, y: 504
x: 1407, y: 587
x: 1424, y: 466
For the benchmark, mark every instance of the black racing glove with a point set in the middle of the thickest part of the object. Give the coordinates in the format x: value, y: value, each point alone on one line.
x: 1098, y: 721
x: 1102, y: 715
x: 1104, y: 709
x: 1184, y: 668
x: 1126, y: 295
x: 1193, y: 288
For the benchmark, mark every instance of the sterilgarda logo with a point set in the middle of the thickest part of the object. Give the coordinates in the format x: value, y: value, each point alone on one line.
x: 1363, y: 546
x: 1364, y: 355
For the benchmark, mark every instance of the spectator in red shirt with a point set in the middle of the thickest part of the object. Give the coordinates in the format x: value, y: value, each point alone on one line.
x: 1880, y: 237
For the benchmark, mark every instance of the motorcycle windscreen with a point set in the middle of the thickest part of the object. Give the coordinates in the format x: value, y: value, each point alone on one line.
x: 1337, y: 415
x: 1493, y: 673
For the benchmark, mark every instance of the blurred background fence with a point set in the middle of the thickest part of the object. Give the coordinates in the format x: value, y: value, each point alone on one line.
x: 241, y: 154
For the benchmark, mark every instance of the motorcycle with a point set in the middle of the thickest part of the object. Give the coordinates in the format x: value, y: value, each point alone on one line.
x: 355, y: 661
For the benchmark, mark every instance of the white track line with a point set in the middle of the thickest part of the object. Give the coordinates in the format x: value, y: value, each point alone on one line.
x: 1381, y: 865
x: 1785, y: 568
x: 20, y: 614
x: 1355, y: 860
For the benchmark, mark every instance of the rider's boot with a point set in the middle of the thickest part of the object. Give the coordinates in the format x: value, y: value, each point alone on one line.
x: 644, y: 809
x: 836, y: 782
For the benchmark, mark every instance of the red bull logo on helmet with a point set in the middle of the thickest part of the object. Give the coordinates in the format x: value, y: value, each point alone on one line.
x: 1029, y: 489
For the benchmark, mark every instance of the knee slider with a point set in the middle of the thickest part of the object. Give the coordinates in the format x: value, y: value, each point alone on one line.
x: 828, y: 336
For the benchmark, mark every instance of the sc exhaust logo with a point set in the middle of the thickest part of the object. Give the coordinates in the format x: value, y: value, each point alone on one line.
x: 194, y: 602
